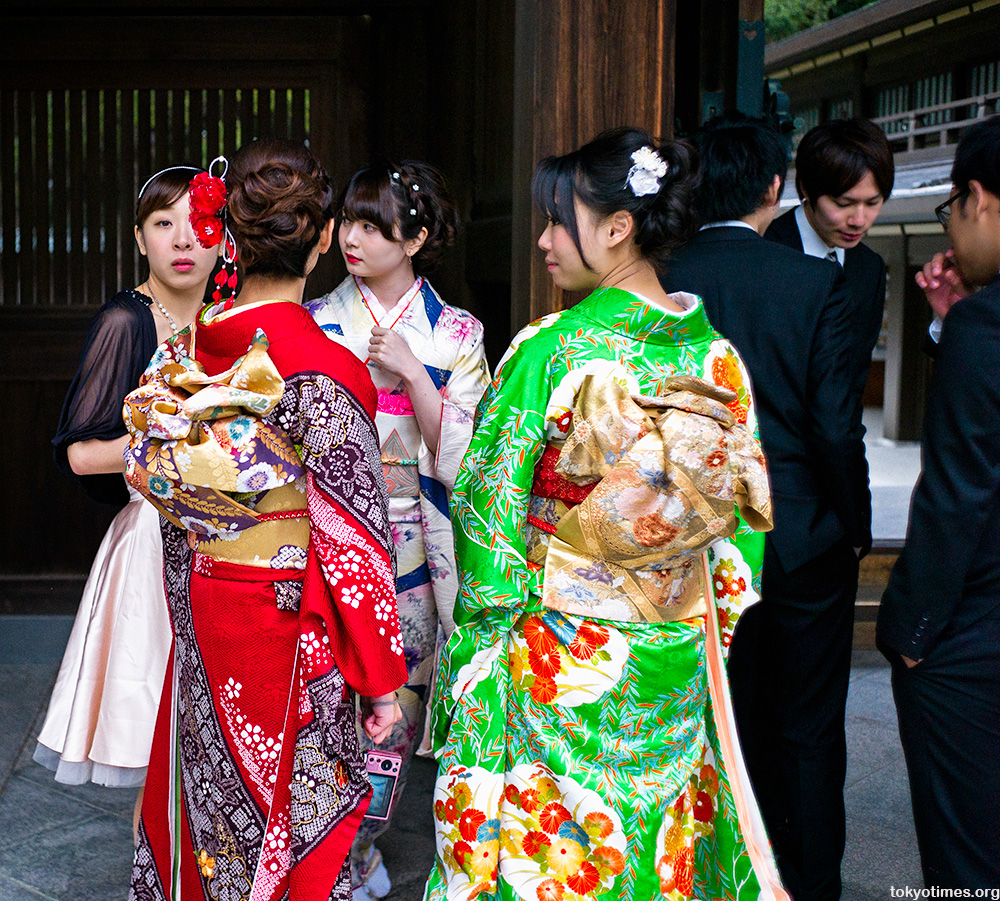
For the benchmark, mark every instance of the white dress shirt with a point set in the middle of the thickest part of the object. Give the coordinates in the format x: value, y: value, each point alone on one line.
x: 812, y: 243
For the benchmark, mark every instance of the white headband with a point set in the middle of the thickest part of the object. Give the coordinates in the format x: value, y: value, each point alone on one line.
x: 158, y: 174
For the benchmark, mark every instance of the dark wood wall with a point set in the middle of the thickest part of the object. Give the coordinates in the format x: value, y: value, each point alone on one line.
x: 480, y: 88
x: 47, y: 524
x: 581, y: 66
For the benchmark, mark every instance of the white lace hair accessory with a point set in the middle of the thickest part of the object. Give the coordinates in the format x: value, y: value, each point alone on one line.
x: 644, y: 176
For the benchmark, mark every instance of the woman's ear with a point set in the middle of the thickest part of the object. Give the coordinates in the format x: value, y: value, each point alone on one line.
x: 413, y: 246
x: 139, y: 240
x: 617, y: 227
x: 326, y: 236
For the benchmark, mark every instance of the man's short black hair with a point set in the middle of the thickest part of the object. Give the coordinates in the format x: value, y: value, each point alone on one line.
x: 833, y: 157
x: 978, y: 156
x: 739, y: 158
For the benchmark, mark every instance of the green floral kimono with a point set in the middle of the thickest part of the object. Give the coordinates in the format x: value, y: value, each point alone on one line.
x: 583, y: 757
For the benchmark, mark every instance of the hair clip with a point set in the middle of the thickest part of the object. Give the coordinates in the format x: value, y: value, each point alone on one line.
x: 416, y: 187
x: 394, y: 176
x: 644, y: 177
x: 413, y: 212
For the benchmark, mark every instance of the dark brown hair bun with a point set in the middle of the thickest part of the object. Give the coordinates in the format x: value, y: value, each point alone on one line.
x: 280, y: 199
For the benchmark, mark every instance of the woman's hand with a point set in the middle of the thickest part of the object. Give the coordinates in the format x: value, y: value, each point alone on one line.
x: 392, y: 354
x: 379, y: 715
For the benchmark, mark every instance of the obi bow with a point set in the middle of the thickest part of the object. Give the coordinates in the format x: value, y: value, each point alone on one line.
x: 666, y: 475
x: 197, y: 440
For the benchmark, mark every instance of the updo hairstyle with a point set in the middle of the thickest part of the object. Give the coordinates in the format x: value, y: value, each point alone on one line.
x: 162, y: 191
x: 399, y: 199
x: 280, y: 199
x: 598, y: 175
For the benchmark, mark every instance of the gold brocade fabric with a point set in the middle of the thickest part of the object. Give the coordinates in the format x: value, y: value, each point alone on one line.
x: 669, y: 473
x: 199, y: 442
x: 273, y: 543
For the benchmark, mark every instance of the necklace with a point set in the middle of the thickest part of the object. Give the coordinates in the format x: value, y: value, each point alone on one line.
x: 163, y: 309
x: 368, y: 298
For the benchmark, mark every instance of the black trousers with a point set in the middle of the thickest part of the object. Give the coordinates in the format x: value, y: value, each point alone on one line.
x: 789, y: 669
x: 948, y: 707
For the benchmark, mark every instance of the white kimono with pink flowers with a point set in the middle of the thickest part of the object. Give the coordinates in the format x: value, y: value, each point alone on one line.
x: 449, y: 342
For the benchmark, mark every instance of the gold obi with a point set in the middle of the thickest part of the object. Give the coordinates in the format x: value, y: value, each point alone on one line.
x: 278, y: 540
x: 198, y: 442
x: 665, y: 476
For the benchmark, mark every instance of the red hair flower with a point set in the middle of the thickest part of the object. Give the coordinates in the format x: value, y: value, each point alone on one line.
x: 208, y: 194
x: 207, y: 229
x: 207, y: 197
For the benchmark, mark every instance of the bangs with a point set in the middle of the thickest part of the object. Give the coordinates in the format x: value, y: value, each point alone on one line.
x: 163, y: 192
x: 553, y: 189
x: 368, y: 197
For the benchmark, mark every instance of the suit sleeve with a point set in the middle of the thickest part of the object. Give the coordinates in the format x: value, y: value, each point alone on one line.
x: 836, y: 442
x: 960, y: 478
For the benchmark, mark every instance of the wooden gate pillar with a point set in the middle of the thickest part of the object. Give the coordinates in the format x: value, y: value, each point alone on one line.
x: 580, y: 66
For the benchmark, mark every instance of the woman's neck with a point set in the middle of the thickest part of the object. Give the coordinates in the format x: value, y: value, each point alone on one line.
x: 182, y: 306
x: 639, y: 277
x: 389, y: 288
x: 257, y: 288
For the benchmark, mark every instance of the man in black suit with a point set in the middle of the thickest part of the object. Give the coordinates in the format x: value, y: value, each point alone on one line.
x: 939, y: 620
x: 789, y: 316
x: 844, y: 172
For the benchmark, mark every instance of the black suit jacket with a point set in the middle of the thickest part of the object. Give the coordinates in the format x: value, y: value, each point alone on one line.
x: 865, y: 273
x: 948, y: 574
x: 788, y: 315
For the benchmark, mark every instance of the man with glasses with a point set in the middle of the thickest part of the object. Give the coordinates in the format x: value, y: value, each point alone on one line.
x: 940, y: 279
x: 939, y: 620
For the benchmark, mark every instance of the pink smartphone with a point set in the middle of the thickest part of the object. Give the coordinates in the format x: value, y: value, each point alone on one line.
x: 383, y: 772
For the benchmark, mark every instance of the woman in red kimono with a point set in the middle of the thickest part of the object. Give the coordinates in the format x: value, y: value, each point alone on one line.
x: 254, y: 435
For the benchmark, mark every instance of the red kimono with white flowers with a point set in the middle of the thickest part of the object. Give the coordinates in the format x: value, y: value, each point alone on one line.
x: 256, y: 783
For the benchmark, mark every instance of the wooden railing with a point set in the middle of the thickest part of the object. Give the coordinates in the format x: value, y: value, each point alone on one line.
x: 938, y: 124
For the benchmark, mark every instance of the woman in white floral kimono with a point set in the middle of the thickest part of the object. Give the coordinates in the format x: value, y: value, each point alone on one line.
x: 428, y: 364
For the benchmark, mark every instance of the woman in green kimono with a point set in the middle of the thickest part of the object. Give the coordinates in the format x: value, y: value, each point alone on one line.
x: 582, y: 722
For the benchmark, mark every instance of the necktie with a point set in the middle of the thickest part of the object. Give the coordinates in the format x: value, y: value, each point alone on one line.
x: 832, y: 256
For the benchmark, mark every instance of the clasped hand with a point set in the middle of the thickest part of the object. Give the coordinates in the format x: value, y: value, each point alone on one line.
x: 941, y: 281
x: 391, y: 353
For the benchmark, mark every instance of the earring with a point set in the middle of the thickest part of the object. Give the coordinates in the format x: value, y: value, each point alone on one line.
x: 226, y: 277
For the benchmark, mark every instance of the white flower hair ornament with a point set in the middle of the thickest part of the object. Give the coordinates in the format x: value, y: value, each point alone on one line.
x: 647, y: 170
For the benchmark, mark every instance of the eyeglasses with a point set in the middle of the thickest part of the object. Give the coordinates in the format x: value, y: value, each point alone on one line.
x: 943, y: 210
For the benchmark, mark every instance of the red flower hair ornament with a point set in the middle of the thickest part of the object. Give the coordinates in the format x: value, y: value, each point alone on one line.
x: 207, y: 198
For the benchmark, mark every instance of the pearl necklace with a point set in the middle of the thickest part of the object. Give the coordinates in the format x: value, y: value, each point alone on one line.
x: 163, y: 309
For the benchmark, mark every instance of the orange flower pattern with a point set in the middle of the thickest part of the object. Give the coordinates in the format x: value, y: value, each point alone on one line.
x: 566, y: 660
x: 726, y: 371
x: 690, y: 817
x: 466, y: 802
x: 732, y: 584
